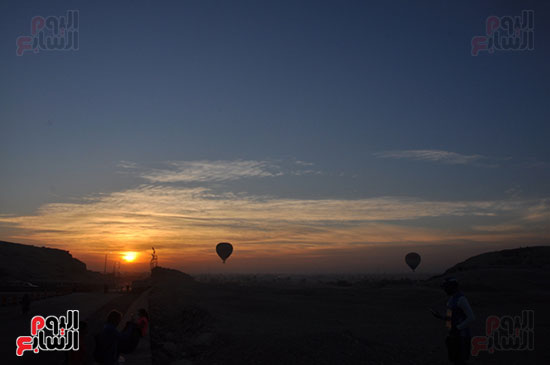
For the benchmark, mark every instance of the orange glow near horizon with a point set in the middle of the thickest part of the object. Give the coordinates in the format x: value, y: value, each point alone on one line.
x: 184, y: 225
x: 129, y: 256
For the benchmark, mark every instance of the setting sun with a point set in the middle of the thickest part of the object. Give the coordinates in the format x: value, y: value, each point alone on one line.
x: 129, y: 256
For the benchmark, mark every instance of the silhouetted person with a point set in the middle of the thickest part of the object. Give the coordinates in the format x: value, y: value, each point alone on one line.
x: 143, y: 321
x: 107, y: 341
x: 25, y: 304
x: 458, y: 318
x: 130, y: 337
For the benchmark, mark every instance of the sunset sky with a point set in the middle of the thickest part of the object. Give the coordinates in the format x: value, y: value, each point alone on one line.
x: 316, y: 136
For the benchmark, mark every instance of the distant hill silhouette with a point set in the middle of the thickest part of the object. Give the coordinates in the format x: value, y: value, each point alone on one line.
x: 162, y: 276
x: 526, y: 268
x: 32, y: 263
x: 537, y: 257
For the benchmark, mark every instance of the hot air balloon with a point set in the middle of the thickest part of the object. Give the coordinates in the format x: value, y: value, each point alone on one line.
x: 413, y: 260
x: 224, y: 250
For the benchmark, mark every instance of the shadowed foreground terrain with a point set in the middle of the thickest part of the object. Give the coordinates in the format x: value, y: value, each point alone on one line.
x: 248, y: 320
x: 362, y: 323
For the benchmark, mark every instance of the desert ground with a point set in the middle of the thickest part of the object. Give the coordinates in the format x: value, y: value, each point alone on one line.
x: 285, y: 319
x: 379, y: 322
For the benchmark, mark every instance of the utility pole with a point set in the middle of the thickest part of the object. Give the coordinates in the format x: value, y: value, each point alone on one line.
x: 154, y: 259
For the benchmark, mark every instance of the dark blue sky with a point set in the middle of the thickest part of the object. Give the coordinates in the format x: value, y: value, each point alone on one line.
x: 358, y: 89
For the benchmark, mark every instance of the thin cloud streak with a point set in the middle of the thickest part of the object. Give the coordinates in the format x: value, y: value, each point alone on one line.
x: 440, y: 156
x: 202, y: 171
x: 206, y: 171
